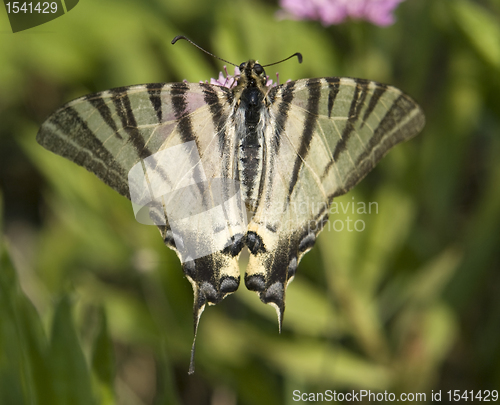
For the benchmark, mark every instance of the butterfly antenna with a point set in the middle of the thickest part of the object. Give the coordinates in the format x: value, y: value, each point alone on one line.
x: 201, y: 49
x: 297, y: 54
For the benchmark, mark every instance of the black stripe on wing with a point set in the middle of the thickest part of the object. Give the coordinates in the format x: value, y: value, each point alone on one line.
x: 287, y: 92
x: 80, y: 145
x: 397, y: 125
x: 314, y: 87
x: 219, y: 116
x: 124, y: 110
x: 154, y: 91
x: 374, y: 99
x: 401, y: 108
x: 286, y: 97
x: 358, y: 99
x: 179, y: 92
x: 105, y: 112
x: 334, y: 87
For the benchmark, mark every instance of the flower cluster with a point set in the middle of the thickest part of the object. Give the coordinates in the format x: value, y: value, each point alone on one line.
x: 336, y: 11
x: 231, y: 81
x: 228, y: 81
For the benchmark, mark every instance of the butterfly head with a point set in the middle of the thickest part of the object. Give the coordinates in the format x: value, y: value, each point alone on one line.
x: 252, y: 75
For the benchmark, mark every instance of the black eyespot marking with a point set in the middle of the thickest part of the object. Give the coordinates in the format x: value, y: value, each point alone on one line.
x: 189, y: 268
x: 208, y: 293
x: 307, y: 242
x: 258, y: 69
x: 255, y: 282
x: 275, y: 294
x: 292, y: 268
x: 229, y: 285
x: 234, y: 246
x: 254, y: 243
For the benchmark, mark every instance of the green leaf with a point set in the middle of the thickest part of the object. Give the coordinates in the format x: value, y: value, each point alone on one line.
x: 24, y: 377
x: 481, y: 27
x: 71, y: 374
x: 16, y: 378
x: 320, y: 363
x: 103, y: 361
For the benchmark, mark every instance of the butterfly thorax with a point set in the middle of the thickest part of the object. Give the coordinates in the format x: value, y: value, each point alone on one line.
x: 250, y: 117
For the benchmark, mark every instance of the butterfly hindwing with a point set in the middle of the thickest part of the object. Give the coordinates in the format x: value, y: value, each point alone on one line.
x: 329, y: 134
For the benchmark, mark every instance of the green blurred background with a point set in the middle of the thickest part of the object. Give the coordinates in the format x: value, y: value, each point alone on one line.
x: 94, y: 309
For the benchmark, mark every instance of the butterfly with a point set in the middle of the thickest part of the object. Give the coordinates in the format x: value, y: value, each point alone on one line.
x: 220, y: 168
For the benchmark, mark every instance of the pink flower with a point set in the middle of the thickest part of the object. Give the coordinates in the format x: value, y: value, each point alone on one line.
x: 228, y: 81
x: 231, y: 81
x: 336, y: 11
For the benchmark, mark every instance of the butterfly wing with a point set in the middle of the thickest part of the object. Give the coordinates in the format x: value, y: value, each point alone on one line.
x: 134, y: 130
x: 328, y: 134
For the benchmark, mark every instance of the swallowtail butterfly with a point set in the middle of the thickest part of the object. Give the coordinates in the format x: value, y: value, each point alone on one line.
x: 285, y: 151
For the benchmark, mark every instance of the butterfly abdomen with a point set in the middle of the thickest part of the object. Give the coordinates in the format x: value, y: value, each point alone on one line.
x: 251, y: 142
